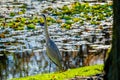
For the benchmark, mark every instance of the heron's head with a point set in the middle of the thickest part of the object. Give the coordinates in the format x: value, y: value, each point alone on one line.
x: 43, y: 15
x: 44, y: 20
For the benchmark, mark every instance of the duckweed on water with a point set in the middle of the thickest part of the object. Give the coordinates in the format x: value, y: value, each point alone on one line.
x: 85, y: 12
x: 83, y: 71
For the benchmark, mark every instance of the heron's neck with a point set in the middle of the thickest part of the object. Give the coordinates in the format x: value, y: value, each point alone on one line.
x: 46, y: 30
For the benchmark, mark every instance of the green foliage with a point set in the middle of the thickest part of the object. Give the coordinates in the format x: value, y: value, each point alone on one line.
x: 66, y: 17
x: 23, y: 10
x: 83, y: 71
x: 49, y: 9
x: 16, y: 25
x: 23, y: 6
x: 65, y: 25
x: 12, y: 14
x: 94, y: 22
x: 66, y: 10
x: 93, y: 14
x: 76, y: 19
x: 50, y: 19
x: 69, y: 22
x: 31, y: 26
x: 23, y: 20
x: 20, y: 12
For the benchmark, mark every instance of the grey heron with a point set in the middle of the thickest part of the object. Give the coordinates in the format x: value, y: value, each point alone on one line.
x: 51, y: 48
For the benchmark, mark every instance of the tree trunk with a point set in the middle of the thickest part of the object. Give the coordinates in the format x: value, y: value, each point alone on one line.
x: 112, y: 64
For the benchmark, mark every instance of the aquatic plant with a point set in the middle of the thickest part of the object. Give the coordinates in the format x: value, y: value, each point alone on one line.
x: 24, y: 6
x: 12, y: 14
x: 68, y: 14
x: 31, y: 26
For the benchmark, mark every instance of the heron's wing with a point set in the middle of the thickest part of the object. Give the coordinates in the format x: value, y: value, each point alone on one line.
x: 53, y: 52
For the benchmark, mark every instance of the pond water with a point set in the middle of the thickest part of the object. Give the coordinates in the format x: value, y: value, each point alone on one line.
x: 23, y: 53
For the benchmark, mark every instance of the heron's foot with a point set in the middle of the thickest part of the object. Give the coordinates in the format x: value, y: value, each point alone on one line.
x: 62, y: 69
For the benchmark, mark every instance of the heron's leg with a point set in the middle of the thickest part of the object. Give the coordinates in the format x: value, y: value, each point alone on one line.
x: 50, y: 67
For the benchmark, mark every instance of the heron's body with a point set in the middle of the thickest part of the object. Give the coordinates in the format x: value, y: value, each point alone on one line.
x: 53, y: 53
x: 51, y: 48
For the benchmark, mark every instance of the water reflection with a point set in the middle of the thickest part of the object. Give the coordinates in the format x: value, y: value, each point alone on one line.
x: 24, y: 63
x: 3, y: 65
x: 23, y: 52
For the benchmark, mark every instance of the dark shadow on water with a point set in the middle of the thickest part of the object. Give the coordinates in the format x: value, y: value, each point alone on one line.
x: 3, y: 65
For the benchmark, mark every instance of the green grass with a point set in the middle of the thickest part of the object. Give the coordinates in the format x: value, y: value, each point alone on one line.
x: 82, y: 71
